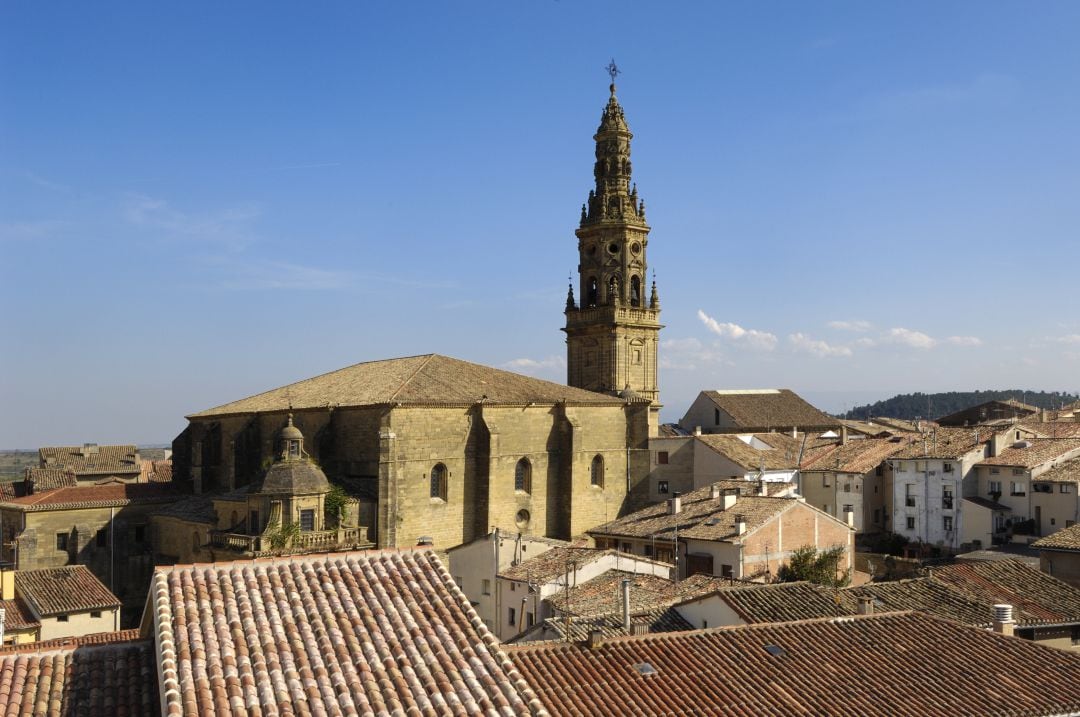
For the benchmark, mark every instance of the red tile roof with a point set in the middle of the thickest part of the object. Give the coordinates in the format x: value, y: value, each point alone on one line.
x: 381, y: 632
x: 895, y: 665
x: 95, y: 460
x: 17, y: 617
x: 855, y: 456
x: 59, y: 591
x: 91, y: 496
x: 112, y: 680
x: 1034, y: 452
x: 947, y: 443
x: 94, y: 638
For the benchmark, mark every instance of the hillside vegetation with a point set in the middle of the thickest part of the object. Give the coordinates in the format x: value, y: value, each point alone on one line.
x: 910, y: 406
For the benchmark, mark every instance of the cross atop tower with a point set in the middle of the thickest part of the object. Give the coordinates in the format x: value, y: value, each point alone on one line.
x: 613, y: 70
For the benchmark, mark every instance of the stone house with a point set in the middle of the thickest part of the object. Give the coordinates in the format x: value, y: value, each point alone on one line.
x: 755, y: 411
x: 438, y: 448
x: 1059, y: 554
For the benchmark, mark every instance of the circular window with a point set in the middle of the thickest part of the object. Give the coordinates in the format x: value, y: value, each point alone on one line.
x: 636, y: 248
x: 522, y: 519
x: 613, y: 248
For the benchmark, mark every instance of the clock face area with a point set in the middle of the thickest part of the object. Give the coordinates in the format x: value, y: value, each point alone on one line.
x: 635, y: 248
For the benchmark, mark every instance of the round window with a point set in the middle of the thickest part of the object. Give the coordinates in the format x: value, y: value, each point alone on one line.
x: 522, y: 519
x: 613, y: 248
x: 636, y: 248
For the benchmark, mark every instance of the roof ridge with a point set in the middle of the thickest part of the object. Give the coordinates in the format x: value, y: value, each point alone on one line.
x: 407, y: 381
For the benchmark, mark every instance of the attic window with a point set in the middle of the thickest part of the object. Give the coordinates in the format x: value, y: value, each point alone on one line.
x: 645, y: 669
x: 775, y: 650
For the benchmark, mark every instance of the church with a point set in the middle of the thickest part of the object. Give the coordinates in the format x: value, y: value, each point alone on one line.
x: 441, y: 451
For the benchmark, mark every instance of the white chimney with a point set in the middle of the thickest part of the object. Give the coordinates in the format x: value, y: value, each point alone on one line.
x: 866, y: 605
x: 740, y: 524
x: 714, y: 491
x: 729, y: 497
x: 1003, y: 619
x: 675, y: 504
x: 626, y: 605
x: 697, y: 430
x: 849, y: 516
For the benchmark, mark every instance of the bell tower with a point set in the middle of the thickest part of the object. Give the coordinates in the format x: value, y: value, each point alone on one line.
x: 612, y: 334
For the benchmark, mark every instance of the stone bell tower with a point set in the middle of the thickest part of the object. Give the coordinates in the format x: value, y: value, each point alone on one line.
x: 612, y: 334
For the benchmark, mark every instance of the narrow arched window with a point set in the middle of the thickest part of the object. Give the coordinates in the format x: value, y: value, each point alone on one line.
x: 613, y: 290
x: 523, y: 476
x: 635, y: 291
x: 592, y: 293
x: 438, y: 481
x: 596, y: 473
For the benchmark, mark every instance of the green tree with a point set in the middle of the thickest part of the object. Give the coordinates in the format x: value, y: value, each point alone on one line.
x: 821, y: 567
x: 336, y: 504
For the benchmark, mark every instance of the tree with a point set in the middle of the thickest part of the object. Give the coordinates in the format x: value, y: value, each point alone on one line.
x: 821, y: 567
x: 336, y: 504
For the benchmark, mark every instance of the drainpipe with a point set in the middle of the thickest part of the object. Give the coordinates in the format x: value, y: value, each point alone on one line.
x: 626, y: 605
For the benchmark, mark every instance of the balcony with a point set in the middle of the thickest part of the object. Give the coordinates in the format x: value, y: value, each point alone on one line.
x: 947, y: 503
x: 311, y: 541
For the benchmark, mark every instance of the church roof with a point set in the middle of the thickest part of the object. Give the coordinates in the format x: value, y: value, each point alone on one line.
x: 294, y: 477
x: 418, y: 380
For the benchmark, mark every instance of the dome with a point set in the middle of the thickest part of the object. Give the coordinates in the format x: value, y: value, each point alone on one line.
x: 628, y: 394
x: 290, y: 432
x: 294, y: 478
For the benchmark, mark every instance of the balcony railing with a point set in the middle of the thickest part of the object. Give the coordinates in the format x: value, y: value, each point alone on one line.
x: 311, y: 540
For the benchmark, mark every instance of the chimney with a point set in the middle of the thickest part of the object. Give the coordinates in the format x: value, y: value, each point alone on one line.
x: 1042, y: 416
x: 997, y: 444
x: 626, y: 605
x: 639, y: 628
x: 596, y: 638
x: 675, y: 504
x: 759, y: 489
x: 714, y: 491
x: 1003, y: 620
x: 843, y: 435
x: 849, y: 516
x: 740, y: 524
x: 866, y: 605
x: 729, y: 497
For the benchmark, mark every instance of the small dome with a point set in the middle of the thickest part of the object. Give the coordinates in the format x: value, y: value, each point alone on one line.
x: 628, y: 394
x: 290, y: 432
x: 294, y: 478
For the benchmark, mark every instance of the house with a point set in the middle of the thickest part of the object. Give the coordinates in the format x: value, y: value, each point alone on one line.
x: 989, y: 412
x: 1013, y: 478
x: 618, y: 602
x: 91, y: 463
x: 65, y: 602
x: 96, y: 676
x: 755, y: 411
x: 852, y: 476
x: 751, y: 604
x: 1059, y: 554
x: 929, y: 477
x: 378, y: 632
x: 524, y: 591
x: 903, y: 664
x: 685, y: 463
x: 719, y: 531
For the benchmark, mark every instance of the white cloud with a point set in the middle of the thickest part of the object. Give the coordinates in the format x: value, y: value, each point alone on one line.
x: 964, y: 341
x: 548, y: 366
x: 908, y: 337
x: 856, y: 325
x: 821, y: 349
x: 1067, y: 339
x: 751, y: 337
x: 688, y: 354
x: 866, y: 343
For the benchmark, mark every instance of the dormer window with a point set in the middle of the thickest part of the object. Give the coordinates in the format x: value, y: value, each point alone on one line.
x: 294, y: 449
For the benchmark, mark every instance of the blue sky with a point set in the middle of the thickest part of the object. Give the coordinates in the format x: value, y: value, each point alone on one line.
x: 852, y: 200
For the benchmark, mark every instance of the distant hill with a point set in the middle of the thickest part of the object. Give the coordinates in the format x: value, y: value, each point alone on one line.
x: 910, y: 406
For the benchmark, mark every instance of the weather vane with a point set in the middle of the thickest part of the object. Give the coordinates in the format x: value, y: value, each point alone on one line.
x: 613, y: 69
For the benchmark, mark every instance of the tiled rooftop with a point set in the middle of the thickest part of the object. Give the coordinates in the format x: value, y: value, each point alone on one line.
x: 1067, y: 471
x: 603, y: 594
x: 897, y: 665
x: 429, y: 379
x: 112, y: 680
x: 94, y: 638
x: 555, y: 562
x: 1036, y: 596
x: 1066, y: 539
x: 91, y: 496
x: 384, y: 632
x: 855, y: 456
x: 609, y: 625
x: 1034, y: 452
x: 196, y: 508
x: 57, y: 591
x: 772, y: 407
x: 781, y: 602
x: 701, y: 517
x: 738, y: 451
x: 1053, y: 429
x: 947, y: 443
x: 99, y: 460
x: 17, y: 617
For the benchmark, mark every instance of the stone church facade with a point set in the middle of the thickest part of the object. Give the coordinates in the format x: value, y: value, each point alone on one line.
x: 444, y: 450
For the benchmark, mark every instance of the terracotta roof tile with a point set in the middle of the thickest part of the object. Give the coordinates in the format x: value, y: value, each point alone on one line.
x: 610, y: 625
x: 56, y: 591
x: 898, y: 665
x: 1034, y: 452
x: 856, y: 456
x: 99, y: 460
x: 109, y: 494
x: 1067, y: 471
x: 769, y: 407
x: 112, y: 680
x: 383, y: 632
x: 781, y: 457
x: 17, y: 617
x: 947, y: 443
x: 603, y: 594
x: 1035, y: 596
x: 1053, y: 429
x: 553, y: 563
x: 782, y: 602
x: 94, y: 638
x: 430, y: 379
x: 1066, y: 539
x: 701, y: 517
